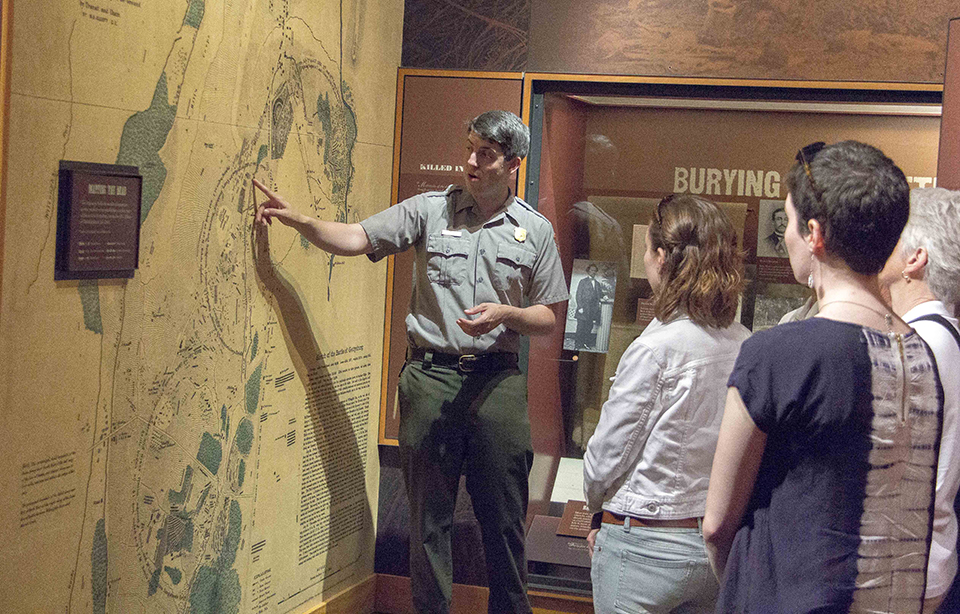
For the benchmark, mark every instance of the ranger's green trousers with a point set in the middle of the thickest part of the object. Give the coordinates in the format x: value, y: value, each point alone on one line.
x: 475, y: 424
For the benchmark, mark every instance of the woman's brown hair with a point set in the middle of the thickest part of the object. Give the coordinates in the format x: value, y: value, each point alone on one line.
x: 702, y: 272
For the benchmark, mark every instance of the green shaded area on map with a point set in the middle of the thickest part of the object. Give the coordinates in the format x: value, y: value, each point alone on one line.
x: 187, y: 543
x: 232, y: 541
x: 224, y: 421
x: 98, y: 568
x: 242, y: 200
x: 174, y: 574
x: 255, y: 345
x: 194, y: 14
x: 242, y: 471
x: 252, y: 390
x: 339, y: 136
x: 244, y: 438
x: 154, y: 582
x: 210, y: 453
x: 143, y: 136
x: 304, y: 242
x: 179, y: 497
x: 176, y: 535
x: 216, y: 589
x: 203, y: 497
x: 89, y: 290
x: 264, y: 150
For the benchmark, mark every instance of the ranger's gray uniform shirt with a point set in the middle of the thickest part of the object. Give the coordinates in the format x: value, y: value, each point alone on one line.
x: 510, y: 259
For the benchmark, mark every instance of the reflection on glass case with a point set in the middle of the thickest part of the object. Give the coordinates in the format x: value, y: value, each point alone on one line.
x: 590, y: 309
x: 605, y: 162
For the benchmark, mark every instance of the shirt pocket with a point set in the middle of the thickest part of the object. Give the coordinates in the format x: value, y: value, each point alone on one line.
x: 513, y: 268
x: 447, y: 260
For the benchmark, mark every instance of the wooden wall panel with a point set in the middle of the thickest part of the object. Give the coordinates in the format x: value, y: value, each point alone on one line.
x: 466, y: 34
x: 861, y: 40
x: 948, y: 162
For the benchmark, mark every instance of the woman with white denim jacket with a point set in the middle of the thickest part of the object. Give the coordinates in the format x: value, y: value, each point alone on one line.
x: 647, y: 465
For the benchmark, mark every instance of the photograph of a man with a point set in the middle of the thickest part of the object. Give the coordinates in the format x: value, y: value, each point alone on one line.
x: 595, y: 283
x: 772, y: 245
x: 487, y: 271
x: 588, y: 308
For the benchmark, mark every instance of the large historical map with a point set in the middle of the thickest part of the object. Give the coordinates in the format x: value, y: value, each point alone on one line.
x: 200, y: 438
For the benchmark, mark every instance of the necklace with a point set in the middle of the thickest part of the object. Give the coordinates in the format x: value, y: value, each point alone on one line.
x: 886, y: 315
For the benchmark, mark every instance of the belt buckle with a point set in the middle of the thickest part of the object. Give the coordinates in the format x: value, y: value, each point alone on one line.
x: 466, y: 363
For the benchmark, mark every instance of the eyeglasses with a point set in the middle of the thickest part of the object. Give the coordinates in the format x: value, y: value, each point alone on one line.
x: 805, y: 157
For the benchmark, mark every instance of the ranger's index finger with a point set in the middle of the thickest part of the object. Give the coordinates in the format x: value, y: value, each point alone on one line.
x: 264, y: 189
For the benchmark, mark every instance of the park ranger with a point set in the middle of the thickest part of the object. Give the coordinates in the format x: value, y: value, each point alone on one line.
x: 487, y: 271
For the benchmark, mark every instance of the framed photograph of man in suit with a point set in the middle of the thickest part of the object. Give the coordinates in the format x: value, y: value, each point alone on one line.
x: 590, y: 309
x: 772, y: 226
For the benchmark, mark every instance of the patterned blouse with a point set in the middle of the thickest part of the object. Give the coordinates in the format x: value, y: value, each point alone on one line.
x: 841, y: 511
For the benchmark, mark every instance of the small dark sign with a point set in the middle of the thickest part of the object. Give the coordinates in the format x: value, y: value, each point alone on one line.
x: 545, y: 545
x: 576, y: 519
x: 98, y: 221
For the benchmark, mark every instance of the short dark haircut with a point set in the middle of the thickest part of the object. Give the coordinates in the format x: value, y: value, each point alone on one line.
x: 505, y: 129
x: 860, y: 198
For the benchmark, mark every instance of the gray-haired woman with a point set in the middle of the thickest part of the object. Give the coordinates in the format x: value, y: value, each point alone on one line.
x: 921, y: 281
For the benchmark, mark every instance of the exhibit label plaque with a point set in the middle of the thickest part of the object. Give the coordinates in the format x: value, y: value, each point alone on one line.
x: 576, y: 519
x: 98, y: 221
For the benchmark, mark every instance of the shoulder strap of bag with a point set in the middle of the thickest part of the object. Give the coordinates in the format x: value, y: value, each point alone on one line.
x: 942, y: 321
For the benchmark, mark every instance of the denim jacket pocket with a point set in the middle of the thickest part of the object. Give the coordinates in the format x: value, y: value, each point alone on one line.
x: 447, y: 260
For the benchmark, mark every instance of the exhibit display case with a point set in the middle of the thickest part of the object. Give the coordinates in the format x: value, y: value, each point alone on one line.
x: 605, y: 152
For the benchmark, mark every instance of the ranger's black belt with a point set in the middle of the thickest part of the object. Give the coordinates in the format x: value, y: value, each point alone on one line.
x: 465, y: 363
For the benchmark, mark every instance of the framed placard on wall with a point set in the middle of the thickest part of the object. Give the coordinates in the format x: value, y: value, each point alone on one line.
x: 98, y: 221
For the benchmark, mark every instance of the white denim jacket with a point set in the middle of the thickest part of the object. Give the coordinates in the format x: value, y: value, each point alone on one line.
x: 651, y: 454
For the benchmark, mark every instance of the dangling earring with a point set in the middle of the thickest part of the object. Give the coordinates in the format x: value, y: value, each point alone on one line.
x: 905, y: 276
x: 810, y: 280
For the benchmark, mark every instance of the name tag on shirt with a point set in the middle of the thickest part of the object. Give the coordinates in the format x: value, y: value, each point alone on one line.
x: 451, y: 233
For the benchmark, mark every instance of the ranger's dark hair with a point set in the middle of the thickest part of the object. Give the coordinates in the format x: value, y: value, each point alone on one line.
x: 505, y: 129
x: 860, y: 198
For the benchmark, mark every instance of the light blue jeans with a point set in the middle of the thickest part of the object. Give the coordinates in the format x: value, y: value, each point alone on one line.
x: 639, y: 570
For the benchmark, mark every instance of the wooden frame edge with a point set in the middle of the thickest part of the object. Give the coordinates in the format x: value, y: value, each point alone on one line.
x: 526, y: 96
x: 6, y: 51
x: 388, y: 297
x: 361, y: 598
x: 730, y: 82
x: 459, y: 74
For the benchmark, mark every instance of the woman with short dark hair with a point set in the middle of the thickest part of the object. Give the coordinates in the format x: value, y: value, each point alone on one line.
x: 822, y: 485
x: 647, y: 466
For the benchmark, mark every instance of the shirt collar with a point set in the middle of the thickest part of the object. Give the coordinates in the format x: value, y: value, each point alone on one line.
x: 466, y: 201
x: 927, y: 308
